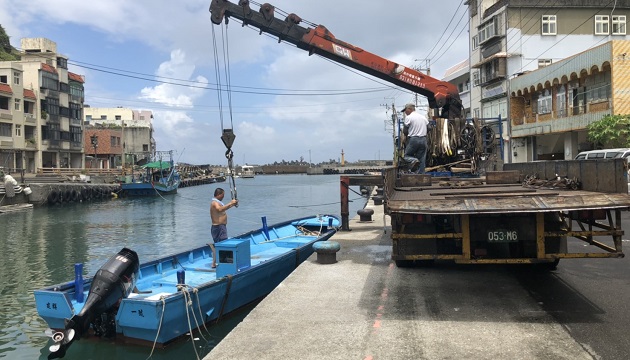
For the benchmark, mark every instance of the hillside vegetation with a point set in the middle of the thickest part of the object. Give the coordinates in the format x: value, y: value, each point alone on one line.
x: 7, y: 52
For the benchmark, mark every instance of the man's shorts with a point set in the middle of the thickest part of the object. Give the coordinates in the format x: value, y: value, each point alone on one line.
x: 218, y: 232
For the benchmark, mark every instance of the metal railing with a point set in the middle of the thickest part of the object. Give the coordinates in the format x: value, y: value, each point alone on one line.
x: 77, y: 171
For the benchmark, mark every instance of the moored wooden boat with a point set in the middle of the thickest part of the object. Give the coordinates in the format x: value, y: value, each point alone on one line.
x: 178, y: 293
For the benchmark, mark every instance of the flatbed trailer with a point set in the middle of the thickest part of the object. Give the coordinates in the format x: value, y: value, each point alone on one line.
x: 497, y: 219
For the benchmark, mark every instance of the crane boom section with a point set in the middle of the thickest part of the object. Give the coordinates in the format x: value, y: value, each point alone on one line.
x: 318, y: 40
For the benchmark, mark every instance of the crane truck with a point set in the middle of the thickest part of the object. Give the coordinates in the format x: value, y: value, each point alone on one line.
x: 523, y: 214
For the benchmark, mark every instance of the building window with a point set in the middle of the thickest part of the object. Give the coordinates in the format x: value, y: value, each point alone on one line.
x: 549, y: 25
x: 5, y: 129
x: 16, y: 78
x: 76, y: 111
x: 601, y: 25
x: 17, y: 104
x: 561, y: 102
x: 118, y: 117
x: 88, y: 118
x: 18, y: 130
x: 52, y: 106
x: 50, y: 81
x: 145, y: 147
x: 4, y: 103
x: 62, y: 63
x: 475, y: 42
x: 476, y: 113
x: 103, y: 117
x: 488, y: 31
x: 544, y: 62
x: 112, y: 141
x: 619, y: 25
x: 544, y: 103
x: 476, y: 78
x: 3, y: 79
x: 76, y: 134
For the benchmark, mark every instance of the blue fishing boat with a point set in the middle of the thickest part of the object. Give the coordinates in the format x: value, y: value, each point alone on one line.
x: 158, y: 177
x: 165, y: 299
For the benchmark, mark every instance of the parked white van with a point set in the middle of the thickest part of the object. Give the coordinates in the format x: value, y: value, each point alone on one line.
x: 623, y: 153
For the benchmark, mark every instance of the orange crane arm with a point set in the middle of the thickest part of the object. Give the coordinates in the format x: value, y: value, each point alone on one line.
x: 440, y: 94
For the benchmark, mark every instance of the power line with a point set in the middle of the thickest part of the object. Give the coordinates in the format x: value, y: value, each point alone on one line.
x: 444, y: 32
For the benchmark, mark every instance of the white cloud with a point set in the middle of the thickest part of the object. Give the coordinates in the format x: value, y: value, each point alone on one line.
x: 172, y: 92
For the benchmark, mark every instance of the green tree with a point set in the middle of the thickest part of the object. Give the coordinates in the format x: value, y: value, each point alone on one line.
x: 7, y: 52
x: 611, y: 131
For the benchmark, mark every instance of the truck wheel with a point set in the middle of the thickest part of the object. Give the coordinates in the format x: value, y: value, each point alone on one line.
x: 549, y: 266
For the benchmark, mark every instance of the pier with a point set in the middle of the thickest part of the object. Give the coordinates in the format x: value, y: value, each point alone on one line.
x: 364, y: 307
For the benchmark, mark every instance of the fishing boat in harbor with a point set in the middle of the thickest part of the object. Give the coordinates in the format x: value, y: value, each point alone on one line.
x: 161, y: 300
x: 157, y: 177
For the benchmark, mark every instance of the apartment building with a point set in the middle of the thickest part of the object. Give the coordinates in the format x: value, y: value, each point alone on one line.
x: 513, y: 37
x: 41, y: 106
x: 459, y: 75
x: 123, y: 136
x: 551, y: 107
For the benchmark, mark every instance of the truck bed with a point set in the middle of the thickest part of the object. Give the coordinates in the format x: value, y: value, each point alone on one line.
x: 497, y: 198
x: 603, y: 185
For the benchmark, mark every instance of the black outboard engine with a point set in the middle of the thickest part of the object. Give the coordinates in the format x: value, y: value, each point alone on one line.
x: 113, y: 282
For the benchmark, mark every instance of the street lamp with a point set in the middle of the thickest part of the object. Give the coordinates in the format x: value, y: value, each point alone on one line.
x: 122, y: 135
x: 94, y: 140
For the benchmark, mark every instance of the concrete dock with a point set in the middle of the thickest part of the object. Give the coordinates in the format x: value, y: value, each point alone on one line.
x: 364, y: 307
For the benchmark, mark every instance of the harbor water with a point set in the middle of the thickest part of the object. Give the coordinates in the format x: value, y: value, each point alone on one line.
x: 40, y: 247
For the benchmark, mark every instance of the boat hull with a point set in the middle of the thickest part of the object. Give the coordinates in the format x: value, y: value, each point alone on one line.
x: 164, y: 307
x: 148, y: 189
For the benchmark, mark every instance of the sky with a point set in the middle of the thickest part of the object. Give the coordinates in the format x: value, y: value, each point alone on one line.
x: 159, y: 55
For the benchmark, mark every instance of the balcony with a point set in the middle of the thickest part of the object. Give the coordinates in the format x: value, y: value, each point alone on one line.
x: 53, y: 119
x: 6, y: 115
x: 6, y: 144
x: 49, y: 93
x: 76, y: 99
x: 30, y: 118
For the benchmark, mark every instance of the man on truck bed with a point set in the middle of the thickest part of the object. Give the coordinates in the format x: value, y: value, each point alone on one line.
x: 416, y: 132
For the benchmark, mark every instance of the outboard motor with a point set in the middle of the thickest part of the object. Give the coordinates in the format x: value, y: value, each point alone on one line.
x: 113, y: 282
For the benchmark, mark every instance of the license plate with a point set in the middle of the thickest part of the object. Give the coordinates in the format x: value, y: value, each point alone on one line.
x: 502, y: 235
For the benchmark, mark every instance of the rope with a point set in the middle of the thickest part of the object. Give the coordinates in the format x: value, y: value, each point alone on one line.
x: 225, y: 298
x: 159, y: 326
x: 324, y: 204
x: 226, y: 65
x: 181, y: 287
x: 196, y: 291
x: 190, y: 303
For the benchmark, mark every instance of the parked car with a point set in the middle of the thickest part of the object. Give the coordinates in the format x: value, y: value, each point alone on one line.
x: 604, y: 154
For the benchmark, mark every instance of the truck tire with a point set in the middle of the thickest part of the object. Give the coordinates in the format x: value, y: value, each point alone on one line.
x: 404, y: 263
x: 551, y: 266
x: 414, y: 263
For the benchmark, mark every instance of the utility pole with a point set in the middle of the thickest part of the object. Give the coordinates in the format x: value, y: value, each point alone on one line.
x: 122, y: 135
x: 426, y: 68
